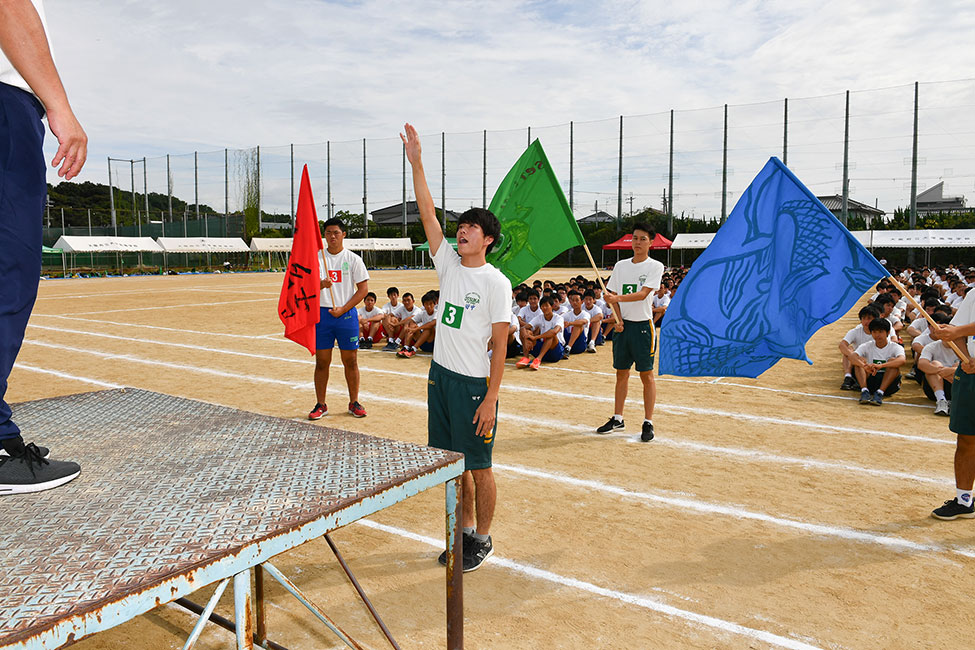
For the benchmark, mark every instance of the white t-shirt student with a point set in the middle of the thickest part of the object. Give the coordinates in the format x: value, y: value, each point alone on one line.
x: 920, y: 324
x: 562, y: 310
x: 528, y: 315
x: 423, y: 317
x: 365, y: 314
x: 964, y: 316
x: 544, y: 325
x: 404, y: 314
x: 938, y: 351
x: 389, y: 307
x: 517, y: 325
x: 345, y: 270
x: 661, y: 301
x: 629, y: 277
x: 471, y: 301
x: 571, y: 316
x: 873, y: 354
x: 858, y: 336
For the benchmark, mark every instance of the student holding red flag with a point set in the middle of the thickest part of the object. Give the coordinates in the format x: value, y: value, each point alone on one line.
x: 298, y: 306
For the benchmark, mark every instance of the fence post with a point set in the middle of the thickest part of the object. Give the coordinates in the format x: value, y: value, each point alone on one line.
x: 260, y: 224
x: 529, y: 136
x: 134, y: 209
x: 572, y: 168
x: 111, y: 195
x: 365, y: 205
x: 484, y: 174
x: 845, y: 211
x: 912, y: 224
x: 292, y: 186
x: 619, y: 181
x: 169, y: 188
x: 328, y: 174
x: 443, y: 180
x: 670, y: 180
x: 724, y: 169
x: 145, y: 192
x: 785, y: 133
x: 226, y: 191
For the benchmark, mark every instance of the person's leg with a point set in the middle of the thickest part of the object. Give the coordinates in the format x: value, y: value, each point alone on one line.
x: 649, y: 393
x: 861, y: 376
x: 622, y: 383
x: 467, y: 517
x: 485, y: 497
x: 350, y: 362
x: 933, y: 383
x: 965, y: 463
x: 373, y: 330
x: 323, y: 358
x: 846, y: 365
x: 574, y: 333
x: 546, y: 346
x: 887, y: 379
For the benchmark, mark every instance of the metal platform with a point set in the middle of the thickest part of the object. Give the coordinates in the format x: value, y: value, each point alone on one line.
x: 176, y: 494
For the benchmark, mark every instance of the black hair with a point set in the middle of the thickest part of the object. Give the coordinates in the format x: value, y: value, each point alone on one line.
x: 522, y: 295
x: 485, y: 220
x: 885, y: 299
x: 548, y: 291
x: 573, y: 293
x: 589, y: 294
x: 870, y: 311
x: 392, y: 290
x: 896, y: 290
x: 941, y: 318
x: 931, y: 302
x: 334, y: 221
x: 942, y: 309
x: 532, y: 292
x: 880, y: 324
x: 408, y: 294
x: 429, y: 296
x: 545, y: 301
x: 371, y: 295
x: 639, y: 225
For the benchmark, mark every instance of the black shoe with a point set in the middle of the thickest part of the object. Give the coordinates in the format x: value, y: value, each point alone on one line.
x: 611, y: 425
x: 647, y: 434
x: 478, y: 552
x: 953, y: 510
x: 31, y: 472
x: 466, y: 540
x: 43, y: 451
x: 848, y: 383
x: 865, y: 397
x: 878, y: 399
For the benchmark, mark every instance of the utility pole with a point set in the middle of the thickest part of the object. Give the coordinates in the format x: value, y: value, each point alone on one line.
x: 630, y: 199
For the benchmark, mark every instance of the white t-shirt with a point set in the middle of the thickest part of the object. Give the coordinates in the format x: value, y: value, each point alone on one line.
x: 388, y: 307
x: 873, y: 354
x: 629, y: 277
x: 661, y: 301
x: 936, y: 351
x: 595, y: 311
x: 471, y: 301
x: 544, y: 325
x: 9, y: 74
x: 404, y: 314
x: 571, y: 316
x: 527, y: 315
x: 562, y: 310
x: 516, y: 309
x: 423, y: 317
x: 345, y: 270
x: 920, y: 324
x: 517, y: 325
x: 964, y: 316
x: 365, y: 315
x: 858, y: 336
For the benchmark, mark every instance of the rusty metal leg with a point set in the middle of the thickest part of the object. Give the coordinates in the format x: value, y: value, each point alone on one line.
x: 243, y: 616
x: 362, y: 594
x: 205, y: 615
x: 455, y: 565
x: 261, y: 632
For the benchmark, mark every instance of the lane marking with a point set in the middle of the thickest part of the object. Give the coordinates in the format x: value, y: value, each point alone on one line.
x: 203, y: 304
x: 645, y: 602
x: 64, y: 375
x: 153, y: 327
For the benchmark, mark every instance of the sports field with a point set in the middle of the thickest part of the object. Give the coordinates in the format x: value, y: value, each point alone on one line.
x: 767, y: 513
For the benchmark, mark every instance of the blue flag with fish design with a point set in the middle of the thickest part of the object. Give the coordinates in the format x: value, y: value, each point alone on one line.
x: 781, y: 267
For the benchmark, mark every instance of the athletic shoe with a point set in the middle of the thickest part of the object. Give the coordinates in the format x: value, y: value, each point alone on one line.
x: 466, y: 540
x: 535, y: 364
x: 848, y: 383
x: 390, y: 346
x: 591, y: 347
x: 318, y: 412
x: 355, y: 408
x: 647, y: 434
x: 410, y: 353
x: 611, y: 425
x: 523, y: 362
x: 941, y: 408
x: 477, y: 553
x: 365, y: 344
x: 31, y: 472
x: 43, y: 451
x: 878, y: 399
x: 865, y: 397
x: 953, y: 510
x: 403, y: 352
x: 601, y: 343
x: 912, y: 374
x: 565, y: 353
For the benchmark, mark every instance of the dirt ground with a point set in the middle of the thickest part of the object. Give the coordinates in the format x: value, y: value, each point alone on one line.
x: 774, y: 512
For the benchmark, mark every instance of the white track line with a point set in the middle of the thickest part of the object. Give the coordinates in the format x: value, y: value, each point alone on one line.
x: 667, y: 408
x: 157, y: 307
x: 681, y: 504
x: 630, y: 599
x: 151, y: 327
x: 64, y: 375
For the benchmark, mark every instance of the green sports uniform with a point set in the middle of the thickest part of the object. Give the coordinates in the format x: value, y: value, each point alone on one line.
x: 452, y: 400
x: 962, y: 418
x: 637, y: 343
x: 636, y: 346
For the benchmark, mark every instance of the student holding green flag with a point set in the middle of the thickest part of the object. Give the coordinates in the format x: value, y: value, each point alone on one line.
x: 463, y: 384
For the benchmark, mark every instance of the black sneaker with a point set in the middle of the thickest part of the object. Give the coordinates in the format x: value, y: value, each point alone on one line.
x: 611, y: 425
x: 43, y: 451
x: 848, y: 383
x: 478, y: 552
x: 647, y: 434
x: 466, y: 540
x: 31, y: 472
x: 878, y: 399
x: 865, y: 397
x: 953, y: 510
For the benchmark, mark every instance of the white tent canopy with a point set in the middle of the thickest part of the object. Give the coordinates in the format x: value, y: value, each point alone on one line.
x: 916, y: 238
x: 83, y: 244
x: 379, y: 244
x: 271, y: 244
x: 692, y: 240
x: 203, y: 245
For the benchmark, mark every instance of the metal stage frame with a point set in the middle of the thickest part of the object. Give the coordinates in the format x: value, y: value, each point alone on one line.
x: 177, y: 494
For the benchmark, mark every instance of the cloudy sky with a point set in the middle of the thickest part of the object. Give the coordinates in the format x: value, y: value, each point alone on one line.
x: 150, y: 78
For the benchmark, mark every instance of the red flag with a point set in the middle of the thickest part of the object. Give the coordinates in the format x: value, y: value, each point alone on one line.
x: 298, y: 306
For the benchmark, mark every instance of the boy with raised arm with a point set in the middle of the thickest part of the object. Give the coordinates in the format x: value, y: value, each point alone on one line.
x: 463, y: 384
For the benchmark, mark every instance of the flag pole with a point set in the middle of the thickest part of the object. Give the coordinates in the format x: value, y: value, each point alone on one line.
x: 936, y: 326
x: 599, y: 278
x: 330, y: 292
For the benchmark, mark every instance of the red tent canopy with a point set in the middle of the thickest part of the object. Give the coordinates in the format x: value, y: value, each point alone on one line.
x: 626, y: 243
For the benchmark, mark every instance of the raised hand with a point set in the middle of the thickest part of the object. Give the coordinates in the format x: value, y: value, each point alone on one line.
x: 412, y: 143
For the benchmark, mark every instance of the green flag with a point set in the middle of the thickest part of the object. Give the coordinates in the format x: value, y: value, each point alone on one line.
x: 536, y: 223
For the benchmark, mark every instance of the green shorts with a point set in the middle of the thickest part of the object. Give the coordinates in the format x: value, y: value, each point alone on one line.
x: 452, y: 400
x: 636, y: 344
x: 962, y: 419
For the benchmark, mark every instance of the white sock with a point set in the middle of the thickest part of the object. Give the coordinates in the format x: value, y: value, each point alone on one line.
x: 964, y: 497
x: 880, y: 392
x: 864, y: 390
x: 370, y: 339
x: 399, y: 341
x: 469, y: 531
x: 617, y: 417
x: 848, y: 375
x: 646, y: 421
x: 939, y: 395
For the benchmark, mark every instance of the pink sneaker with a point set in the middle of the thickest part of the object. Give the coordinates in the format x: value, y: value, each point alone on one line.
x: 523, y: 362
x: 536, y: 364
x: 318, y: 412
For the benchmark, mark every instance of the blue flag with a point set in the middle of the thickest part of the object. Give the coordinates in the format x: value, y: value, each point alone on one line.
x: 781, y: 267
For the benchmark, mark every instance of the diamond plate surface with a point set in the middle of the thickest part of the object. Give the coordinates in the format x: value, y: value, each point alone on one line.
x: 168, y: 485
